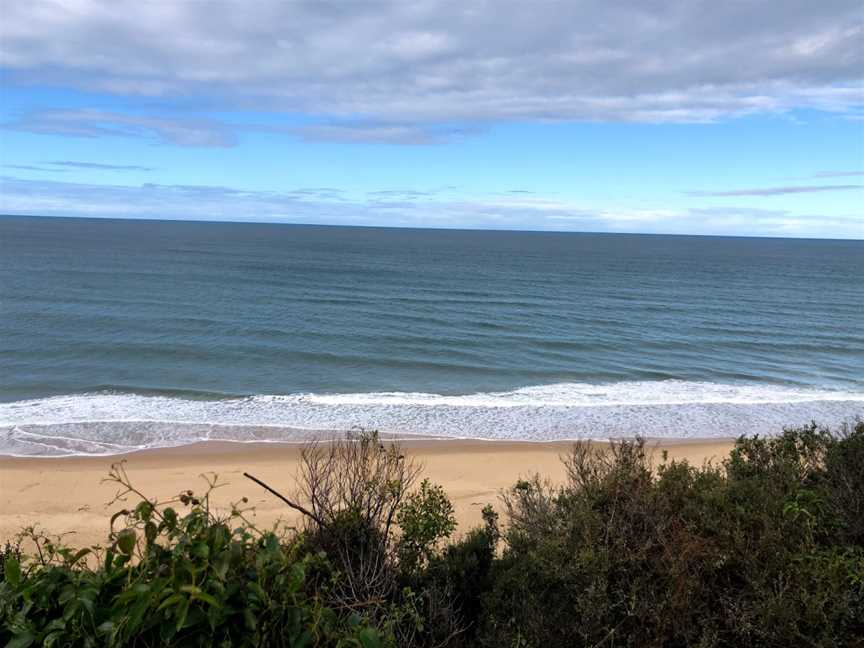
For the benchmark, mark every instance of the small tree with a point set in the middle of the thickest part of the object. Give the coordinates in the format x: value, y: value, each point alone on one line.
x: 359, y: 505
x: 425, y: 518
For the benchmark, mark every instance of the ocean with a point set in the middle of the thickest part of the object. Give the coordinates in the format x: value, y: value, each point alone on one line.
x: 117, y: 335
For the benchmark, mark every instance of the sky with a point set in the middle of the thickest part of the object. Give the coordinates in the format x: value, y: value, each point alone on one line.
x: 653, y: 116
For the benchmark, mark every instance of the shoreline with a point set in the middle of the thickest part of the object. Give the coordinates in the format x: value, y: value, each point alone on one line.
x: 67, y: 494
x: 224, y: 446
x: 111, y: 424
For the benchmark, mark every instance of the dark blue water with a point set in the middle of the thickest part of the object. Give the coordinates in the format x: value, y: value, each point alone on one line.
x: 439, y: 331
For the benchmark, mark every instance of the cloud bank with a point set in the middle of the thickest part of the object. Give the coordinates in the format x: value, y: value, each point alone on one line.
x: 400, y: 208
x: 99, y: 166
x: 775, y: 191
x: 381, y: 71
x: 99, y: 123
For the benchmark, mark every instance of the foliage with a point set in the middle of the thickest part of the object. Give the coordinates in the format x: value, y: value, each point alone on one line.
x: 172, y: 579
x: 9, y: 552
x: 350, y: 491
x: 463, y: 574
x: 763, y: 549
x: 360, y: 508
x: 425, y: 518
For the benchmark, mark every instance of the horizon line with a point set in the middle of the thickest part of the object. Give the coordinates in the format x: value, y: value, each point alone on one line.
x: 428, y: 228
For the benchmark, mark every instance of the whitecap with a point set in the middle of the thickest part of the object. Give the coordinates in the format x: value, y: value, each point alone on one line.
x: 110, y: 423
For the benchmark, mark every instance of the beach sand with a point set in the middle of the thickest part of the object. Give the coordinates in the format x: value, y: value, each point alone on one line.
x: 64, y: 495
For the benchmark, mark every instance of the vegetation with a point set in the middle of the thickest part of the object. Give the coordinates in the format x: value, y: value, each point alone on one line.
x: 765, y: 549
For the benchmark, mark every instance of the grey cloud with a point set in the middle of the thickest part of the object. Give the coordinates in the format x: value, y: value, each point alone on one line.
x: 31, y: 167
x: 99, y: 123
x: 379, y: 133
x: 98, y: 166
x: 363, y: 133
x: 438, y: 62
x: 194, y: 202
x: 319, y: 193
x: 774, y: 191
x: 210, y: 133
x: 838, y: 174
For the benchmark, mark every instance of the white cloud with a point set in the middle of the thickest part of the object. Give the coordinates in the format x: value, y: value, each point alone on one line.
x: 402, y: 208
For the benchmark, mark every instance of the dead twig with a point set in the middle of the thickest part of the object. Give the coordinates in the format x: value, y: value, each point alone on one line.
x: 293, y: 505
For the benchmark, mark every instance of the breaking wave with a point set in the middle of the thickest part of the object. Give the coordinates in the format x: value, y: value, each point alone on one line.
x: 107, y: 423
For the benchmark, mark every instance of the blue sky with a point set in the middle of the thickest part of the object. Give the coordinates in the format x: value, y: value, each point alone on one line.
x: 678, y: 118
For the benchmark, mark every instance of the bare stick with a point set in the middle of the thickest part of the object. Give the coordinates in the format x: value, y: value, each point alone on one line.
x: 296, y: 507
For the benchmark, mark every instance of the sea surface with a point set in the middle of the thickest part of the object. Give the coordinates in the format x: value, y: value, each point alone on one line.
x: 117, y: 335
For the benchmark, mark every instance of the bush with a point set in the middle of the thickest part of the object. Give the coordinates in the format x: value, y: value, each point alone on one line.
x: 764, y: 549
x: 425, y: 519
x: 463, y: 573
x: 360, y: 508
x: 168, y: 579
x: 12, y: 553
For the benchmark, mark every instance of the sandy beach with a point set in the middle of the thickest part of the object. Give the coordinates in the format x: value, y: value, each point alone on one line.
x: 68, y: 495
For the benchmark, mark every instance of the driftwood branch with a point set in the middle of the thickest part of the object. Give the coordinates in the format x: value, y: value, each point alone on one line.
x: 296, y: 507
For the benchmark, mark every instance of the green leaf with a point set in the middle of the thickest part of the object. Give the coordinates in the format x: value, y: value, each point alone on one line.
x: 220, y: 567
x: 298, y: 575
x: 201, y: 550
x: 126, y: 541
x: 257, y: 592
x: 105, y: 628
x: 170, y: 517
x: 78, y: 556
x: 150, y: 531
x: 13, y: 572
x: 303, y: 640
x: 166, y: 633
x: 369, y: 638
x: 144, y: 510
x: 139, y: 609
x: 171, y: 600
x: 67, y: 594
x: 182, y: 611
x: 21, y: 641
x: 201, y: 596
x: 56, y: 624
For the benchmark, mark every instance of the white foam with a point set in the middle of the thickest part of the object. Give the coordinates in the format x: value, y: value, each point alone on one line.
x: 669, y: 392
x: 106, y: 423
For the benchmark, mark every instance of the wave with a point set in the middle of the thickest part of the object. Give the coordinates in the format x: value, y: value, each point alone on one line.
x: 109, y: 423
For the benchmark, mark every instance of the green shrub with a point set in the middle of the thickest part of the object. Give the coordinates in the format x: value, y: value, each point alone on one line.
x: 172, y: 579
x: 764, y: 550
x: 425, y: 519
x: 12, y: 553
x: 463, y: 573
x: 360, y: 508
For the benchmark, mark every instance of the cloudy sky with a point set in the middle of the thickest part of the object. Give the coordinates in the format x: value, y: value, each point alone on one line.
x: 650, y: 116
